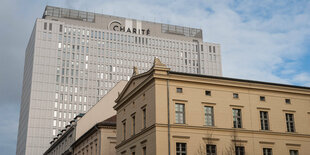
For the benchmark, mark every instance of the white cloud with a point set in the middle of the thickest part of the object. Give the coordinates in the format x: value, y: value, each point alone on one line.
x: 260, y: 40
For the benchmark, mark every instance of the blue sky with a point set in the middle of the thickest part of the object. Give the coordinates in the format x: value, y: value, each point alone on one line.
x: 267, y: 40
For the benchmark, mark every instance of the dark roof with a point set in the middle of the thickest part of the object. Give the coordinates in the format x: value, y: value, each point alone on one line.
x: 240, y: 80
x: 109, y: 122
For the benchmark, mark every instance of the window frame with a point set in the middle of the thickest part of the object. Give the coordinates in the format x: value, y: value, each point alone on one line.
x: 264, y: 121
x: 262, y: 98
x: 290, y: 124
x: 179, y: 90
x: 180, y: 146
x: 235, y: 95
x: 208, y: 114
x: 266, y: 151
x: 208, y: 93
x: 178, y: 113
x: 209, y: 149
x: 235, y: 125
x: 239, y: 150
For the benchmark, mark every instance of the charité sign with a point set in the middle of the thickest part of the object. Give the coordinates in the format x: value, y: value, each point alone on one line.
x: 117, y: 26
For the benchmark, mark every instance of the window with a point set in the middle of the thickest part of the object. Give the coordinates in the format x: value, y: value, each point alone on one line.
x: 290, y: 122
x: 262, y: 98
x: 211, y: 149
x: 133, y: 124
x: 144, y: 151
x: 293, y: 152
x: 239, y: 150
x: 179, y: 113
x: 60, y: 28
x: 133, y: 153
x: 45, y: 26
x: 124, y: 129
x: 237, y: 118
x: 209, y: 120
x: 267, y: 151
x: 179, y: 90
x: 264, y: 120
x: 50, y: 27
x: 288, y: 101
x: 181, y: 149
x: 235, y: 95
x: 208, y: 93
x: 144, y: 117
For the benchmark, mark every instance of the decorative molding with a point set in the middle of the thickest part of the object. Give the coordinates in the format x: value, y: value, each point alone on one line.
x: 290, y: 144
x: 239, y: 141
x: 182, y: 137
x: 238, y: 106
x: 209, y: 103
x: 144, y: 141
x: 262, y: 108
x: 289, y: 110
x: 133, y: 147
x: 264, y: 142
x: 179, y: 100
x: 210, y: 139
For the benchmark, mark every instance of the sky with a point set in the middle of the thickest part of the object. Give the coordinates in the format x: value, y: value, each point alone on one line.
x: 266, y: 40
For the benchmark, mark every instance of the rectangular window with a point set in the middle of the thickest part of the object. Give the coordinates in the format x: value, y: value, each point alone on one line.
x: 133, y: 124
x: 144, y: 117
x: 50, y: 27
x: 124, y: 129
x: 144, y: 151
x: 181, y: 148
x: 209, y: 116
x: 235, y: 95
x: 264, y: 120
x: 290, y: 122
x: 179, y: 113
x: 267, y: 151
x: 211, y: 149
x: 288, y: 101
x: 239, y: 150
x: 60, y: 28
x: 208, y: 93
x: 293, y: 152
x: 45, y: 26
x: 179, y: 90
x: 262, y: 98
x: 237, y: 118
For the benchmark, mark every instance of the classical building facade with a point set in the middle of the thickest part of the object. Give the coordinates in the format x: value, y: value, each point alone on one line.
x: 74, y: 58
x: 99, y: 140
x: 166, y: 112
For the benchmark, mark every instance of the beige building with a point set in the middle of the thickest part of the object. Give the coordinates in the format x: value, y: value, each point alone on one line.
x: 93, y: 126
x: 99, y: 140
x: 164, y: 112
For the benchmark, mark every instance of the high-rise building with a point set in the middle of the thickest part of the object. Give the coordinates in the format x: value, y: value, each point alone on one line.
x: 74, y: 57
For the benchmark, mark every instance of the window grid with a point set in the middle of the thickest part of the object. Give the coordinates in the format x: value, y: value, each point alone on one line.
x: 290, y: 122
x: 267, y: 151
x: 209, y: 116
x: 179, y: 113
x: 237, y: 121
x: 239, y: 150
x: 264, y: 120
x: 293, y: 152
x: 181, y: 148
x: 211, y: 149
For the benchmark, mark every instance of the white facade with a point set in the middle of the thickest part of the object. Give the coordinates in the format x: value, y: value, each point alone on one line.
x: 70, y: 64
